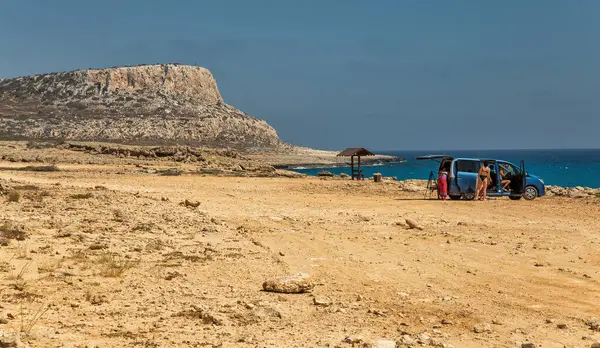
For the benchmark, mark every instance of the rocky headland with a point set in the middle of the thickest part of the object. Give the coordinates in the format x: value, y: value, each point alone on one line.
x: 149, y: 104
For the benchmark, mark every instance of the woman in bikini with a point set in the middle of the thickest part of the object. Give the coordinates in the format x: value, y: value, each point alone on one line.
x: 483, y: 180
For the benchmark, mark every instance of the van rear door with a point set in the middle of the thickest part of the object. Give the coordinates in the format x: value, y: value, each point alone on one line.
x: 433, y: 157
x: 466, y: 176
x: 524, y: 177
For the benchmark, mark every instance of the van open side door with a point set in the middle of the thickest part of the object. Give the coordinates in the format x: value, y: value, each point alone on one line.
x: 523, y: 177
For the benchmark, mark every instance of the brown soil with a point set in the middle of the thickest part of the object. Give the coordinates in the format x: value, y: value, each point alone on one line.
x: 112, y: 259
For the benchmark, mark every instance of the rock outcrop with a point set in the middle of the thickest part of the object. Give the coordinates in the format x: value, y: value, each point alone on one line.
x: 150, y: 104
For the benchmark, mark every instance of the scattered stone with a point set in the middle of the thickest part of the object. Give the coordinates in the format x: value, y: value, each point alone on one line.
x: 171, y: 172
x: 423, y: 338
x: 482, y: 327
x: 595, y: 344
x: 593, y: 324
x: 413, y: 225
x: 404, y: 295
x: 353, y: 339
x: 3, y: 321
x: 497, y: 322
x: 550, y: 321
x: 322, y: 301
x: 325, y: 173
x: 447, y: 322
x: 562, y: 326
x: 376, y: 312
x: 11, y: 341
x: 209, y: 317
x: 297, y: 283
x: 190, y: 204
x: 528, y: 345
x: 98, y: 246
x: 281, y: 253
x: 384, y: 344
x: 407, y: 340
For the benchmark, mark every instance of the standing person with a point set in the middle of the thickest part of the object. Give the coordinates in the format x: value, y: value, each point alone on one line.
x: 483, y: 178
x: 443, y: 185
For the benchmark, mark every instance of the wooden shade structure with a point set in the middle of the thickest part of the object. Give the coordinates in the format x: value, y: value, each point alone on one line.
x: 355, y: 152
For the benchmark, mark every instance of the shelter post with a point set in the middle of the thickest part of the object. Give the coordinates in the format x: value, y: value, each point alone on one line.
x: 355, y: 152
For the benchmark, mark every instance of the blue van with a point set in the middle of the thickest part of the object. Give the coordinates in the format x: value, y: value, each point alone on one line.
x: 462, y: 178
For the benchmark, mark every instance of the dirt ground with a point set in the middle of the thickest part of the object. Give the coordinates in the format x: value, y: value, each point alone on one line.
x: 111, y: 258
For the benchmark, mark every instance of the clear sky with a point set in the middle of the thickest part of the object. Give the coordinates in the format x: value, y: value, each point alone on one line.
x: 383, y: 74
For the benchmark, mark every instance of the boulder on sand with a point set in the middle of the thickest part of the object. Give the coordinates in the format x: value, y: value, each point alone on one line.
x: 297, y: 283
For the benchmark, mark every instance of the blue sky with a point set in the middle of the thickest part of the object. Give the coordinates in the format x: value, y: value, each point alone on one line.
x: 385, y: 74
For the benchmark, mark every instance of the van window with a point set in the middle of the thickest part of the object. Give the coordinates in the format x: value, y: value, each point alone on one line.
x: 468, y: 166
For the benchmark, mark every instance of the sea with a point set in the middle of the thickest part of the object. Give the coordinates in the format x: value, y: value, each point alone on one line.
x: 567, y: 168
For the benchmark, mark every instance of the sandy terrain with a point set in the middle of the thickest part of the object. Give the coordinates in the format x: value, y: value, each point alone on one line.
x: 112, y: 259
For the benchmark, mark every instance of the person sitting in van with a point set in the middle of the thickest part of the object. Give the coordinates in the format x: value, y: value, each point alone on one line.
x: 483, y: 178
x: 504, y: 178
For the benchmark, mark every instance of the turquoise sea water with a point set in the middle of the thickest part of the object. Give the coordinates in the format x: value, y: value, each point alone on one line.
x: 567, y: 168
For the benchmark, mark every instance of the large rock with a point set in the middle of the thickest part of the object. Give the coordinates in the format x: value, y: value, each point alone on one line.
x: 150, y: 104
x: 297, y: 283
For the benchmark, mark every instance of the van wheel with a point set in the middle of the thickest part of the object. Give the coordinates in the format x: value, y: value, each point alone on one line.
x: 468, y: 196
x: 531, y: 193
x: 454, y: 197
x: 514, y: 198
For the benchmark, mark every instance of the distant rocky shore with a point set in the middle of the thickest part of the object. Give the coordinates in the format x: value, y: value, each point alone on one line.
x: 573, y: 192
x: 311, y: 158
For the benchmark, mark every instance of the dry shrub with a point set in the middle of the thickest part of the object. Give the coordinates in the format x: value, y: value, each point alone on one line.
x: 14, y: 196
x: 29, y: 321
x: 94, y: 298
x: 120, y: 216
x: 49, y: 265
x: 82, y: 195
x: 51, y: 168
x: 27, y: 187
x: 5, y: 267
x: 8, y: 230
x: 112, y: 266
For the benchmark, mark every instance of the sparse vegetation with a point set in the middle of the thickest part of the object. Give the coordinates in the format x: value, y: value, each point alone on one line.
x: 9, y: 230
x: 48, y: 265
x: 82, y: 195
x: 27, y: 187
x: 120, y: 216
x: 51, y: 168
x: 94, y: 297
x: 112, y: 265
x: 5, y: 267
x: 14, y: 196
x: 27, y: 323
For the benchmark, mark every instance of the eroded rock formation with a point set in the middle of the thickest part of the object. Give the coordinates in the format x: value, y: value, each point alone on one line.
x: 150, y: 104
